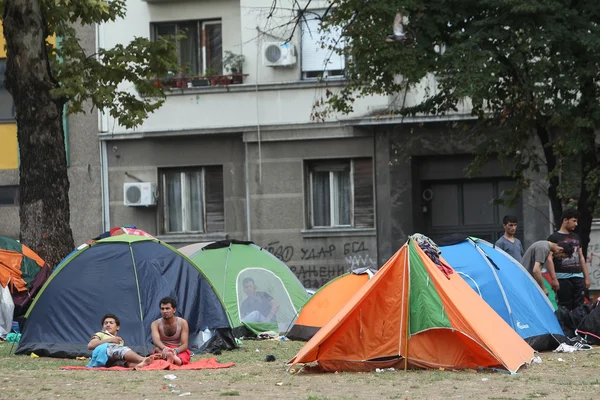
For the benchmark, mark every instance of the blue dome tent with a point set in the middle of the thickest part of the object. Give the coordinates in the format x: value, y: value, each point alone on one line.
x: 125, y: 275
x: 507, y: 287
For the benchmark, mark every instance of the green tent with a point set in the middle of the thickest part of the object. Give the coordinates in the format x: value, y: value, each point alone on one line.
x: 259, y: 291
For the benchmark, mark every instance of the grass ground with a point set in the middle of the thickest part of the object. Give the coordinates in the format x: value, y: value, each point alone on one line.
x: 559, y: 376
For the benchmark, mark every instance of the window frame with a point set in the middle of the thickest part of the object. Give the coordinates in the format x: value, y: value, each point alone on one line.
x: 311, y: 169
x: 165, y: 207
x: 16, y: 195
x: 201, y: 37
x: 13, y: 112
x: 323, y: 72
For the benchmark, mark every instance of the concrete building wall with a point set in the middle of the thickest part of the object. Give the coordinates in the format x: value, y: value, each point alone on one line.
x: 133, y: 160
x: 398, y: 179
x: 278, y: 207
x: 85, y: 193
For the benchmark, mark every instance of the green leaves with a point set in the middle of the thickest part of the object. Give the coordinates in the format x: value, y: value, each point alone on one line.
x: 108, y: 78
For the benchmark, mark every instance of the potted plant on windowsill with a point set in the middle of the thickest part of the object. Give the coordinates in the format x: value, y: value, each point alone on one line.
x: 234, y: 63
x: 215, y: 78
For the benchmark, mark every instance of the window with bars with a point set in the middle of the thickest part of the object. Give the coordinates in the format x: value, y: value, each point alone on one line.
x: 199, y: 44
x: 341, y: 193
x: 192, y: 200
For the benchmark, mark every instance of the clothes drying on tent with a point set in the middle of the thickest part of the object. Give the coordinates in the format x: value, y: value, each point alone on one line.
x: 259, y: 291
x: 23, y: 272
x: 7, y: 308
x: 411, y: 314
x: 507, y: 287
x: 327, y: 302
x: 125, y: 275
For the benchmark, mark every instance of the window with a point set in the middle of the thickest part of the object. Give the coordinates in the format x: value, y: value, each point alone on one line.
x: 200, y: 49
x: 9, y: 195
x: 318, y: 59
x: 193, y: 200
x: 7, y: 106
x: 341, y: 193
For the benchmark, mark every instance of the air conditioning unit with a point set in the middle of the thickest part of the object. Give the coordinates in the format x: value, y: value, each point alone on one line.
x: 139, y: 194
x: 277, y: 54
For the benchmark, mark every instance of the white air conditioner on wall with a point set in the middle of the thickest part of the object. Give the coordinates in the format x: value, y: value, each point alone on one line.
x: 139, y: 194
x: 277, y: 54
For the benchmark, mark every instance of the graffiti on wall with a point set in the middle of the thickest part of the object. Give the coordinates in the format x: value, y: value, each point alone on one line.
x: 317, y: 265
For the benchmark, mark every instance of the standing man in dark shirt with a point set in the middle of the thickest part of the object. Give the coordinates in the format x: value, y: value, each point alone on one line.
x: 571, y: 272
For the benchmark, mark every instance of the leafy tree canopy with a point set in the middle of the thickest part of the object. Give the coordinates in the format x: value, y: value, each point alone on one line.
x: 530, y: 69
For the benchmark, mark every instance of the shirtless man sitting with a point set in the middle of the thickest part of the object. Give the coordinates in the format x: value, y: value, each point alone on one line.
x: 109, y: 349
x: 170, y: 334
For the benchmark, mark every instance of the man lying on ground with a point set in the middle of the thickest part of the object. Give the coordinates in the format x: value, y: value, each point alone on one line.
x: 170, y: 334
x: 109, y: 349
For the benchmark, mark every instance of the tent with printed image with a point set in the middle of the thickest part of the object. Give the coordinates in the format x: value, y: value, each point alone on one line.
x: 126, y: 275
x: 260, y: 292
x: 415, y: 313
x: 507, y: 287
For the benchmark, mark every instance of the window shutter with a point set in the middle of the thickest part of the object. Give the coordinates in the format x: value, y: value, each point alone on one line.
x: 215, y: 207
x: 364, y: 209
x: 314, y: 58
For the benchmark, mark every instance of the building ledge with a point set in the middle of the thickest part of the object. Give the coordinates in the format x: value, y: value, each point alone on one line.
x: 337, y: 232
x: 253, y: 87
x: 182, y: 238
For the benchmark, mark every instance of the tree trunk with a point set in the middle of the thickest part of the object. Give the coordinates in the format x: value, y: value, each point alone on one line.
x: 44, y: 184
x: 553, y: 182
x: 588, y: 194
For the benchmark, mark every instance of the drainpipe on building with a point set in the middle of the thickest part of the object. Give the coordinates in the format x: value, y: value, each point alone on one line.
x: 102, y: 128
x: 246, y: 165
x: 104, y: 186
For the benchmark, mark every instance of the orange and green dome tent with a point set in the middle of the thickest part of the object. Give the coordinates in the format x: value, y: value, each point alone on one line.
x: 415, y: 313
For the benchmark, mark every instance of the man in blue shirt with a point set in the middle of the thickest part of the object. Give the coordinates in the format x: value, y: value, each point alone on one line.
x: 508, y: 242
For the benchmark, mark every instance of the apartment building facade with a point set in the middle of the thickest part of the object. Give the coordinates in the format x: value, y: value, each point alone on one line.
x: 240, y: 156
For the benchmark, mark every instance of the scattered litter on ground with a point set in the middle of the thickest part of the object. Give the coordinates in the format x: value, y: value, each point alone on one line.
x: 257, y: 350
x: 279, y: 383
x: 270, y: 358
x: 391, y: 369
x: 560, y: 359
x: 484, y: 379
x: 33, y: 355
x: 537, y: 360
x: 185, y: 394
x: 170, y: 377
x: 171, y: 385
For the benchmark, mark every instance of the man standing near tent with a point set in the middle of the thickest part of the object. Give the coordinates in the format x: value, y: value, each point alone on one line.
x: 170, y: 334
x: 508, y: 242
x: 109, y: 349
x: 571, y: 272
x: 542, y: 252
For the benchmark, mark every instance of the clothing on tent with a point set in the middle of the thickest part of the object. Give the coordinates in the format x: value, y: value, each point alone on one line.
x: 411, y: 315
x: 7, y: 309
x: 508, y: 288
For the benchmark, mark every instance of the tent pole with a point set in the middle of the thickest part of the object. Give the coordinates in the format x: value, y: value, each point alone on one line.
x: 407, y: 306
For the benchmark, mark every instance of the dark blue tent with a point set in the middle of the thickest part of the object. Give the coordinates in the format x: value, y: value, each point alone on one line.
x: 507, y: 287
x: 125, y: 275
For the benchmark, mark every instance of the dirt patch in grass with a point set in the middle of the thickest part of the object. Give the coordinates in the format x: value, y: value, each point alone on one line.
x: 22, y: 377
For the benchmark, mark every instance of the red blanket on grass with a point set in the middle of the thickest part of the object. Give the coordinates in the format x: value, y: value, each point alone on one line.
x: 205, y: 363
